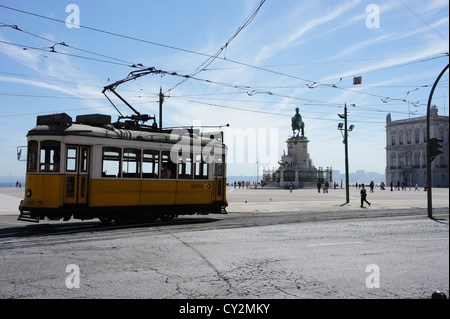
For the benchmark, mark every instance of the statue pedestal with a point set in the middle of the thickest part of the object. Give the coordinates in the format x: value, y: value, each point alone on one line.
x: 296, y: 167
x: 298, y: 149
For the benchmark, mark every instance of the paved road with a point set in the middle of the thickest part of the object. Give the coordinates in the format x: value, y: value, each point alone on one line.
x: 341, y: 252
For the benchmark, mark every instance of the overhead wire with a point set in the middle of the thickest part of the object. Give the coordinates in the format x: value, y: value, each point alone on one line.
x: 310, y: 83
x: 211, y: 59
x: 250, y: 90
x: 52, y: 50
x: 431, y: 27
x: 267, y: 112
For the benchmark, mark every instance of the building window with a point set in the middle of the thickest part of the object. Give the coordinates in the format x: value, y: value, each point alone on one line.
x: 417, y: 160
x: 441, y: 134
x: 442, y: 161
x: 408, y: 160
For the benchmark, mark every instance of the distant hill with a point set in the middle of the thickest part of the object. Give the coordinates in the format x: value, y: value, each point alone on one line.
x: 360, y: 177
x: 354, y: 177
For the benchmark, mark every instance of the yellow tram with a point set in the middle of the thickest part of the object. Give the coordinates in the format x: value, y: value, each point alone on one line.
x: 93, y: 168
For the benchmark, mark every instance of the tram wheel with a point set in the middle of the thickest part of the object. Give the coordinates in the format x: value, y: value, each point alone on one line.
x: 105, y: 220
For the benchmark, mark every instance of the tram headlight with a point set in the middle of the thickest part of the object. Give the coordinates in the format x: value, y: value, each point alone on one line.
x: 28, y: 193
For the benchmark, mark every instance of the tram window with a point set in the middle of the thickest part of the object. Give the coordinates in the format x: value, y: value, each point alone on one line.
x: 84, y: 159
x: 131, y: 163
x: 71, y: 159
x: 50, y: 156
x: 150, y: 164
x: 167, y: 166
x: 201, y: 166
x: 32, y: 156
x: 111, y: 162
x: 219, y: 167
x: 70, y: 187
x: 185, y: 166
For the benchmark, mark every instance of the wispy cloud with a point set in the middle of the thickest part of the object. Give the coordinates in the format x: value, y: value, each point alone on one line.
x: 22, y: 56
x: 297, y: 37
x: 391, y: 37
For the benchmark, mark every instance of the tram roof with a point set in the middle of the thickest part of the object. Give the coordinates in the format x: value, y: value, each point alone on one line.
x: 98, y: 125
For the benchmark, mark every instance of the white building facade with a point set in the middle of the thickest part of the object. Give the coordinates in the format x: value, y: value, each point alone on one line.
x: 406, y: 150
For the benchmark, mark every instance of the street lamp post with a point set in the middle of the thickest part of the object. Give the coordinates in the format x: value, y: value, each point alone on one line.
x: 344, y: 132
x: 429, y: 159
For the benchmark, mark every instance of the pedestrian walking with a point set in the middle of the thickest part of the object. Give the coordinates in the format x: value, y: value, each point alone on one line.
x: 363, y: 196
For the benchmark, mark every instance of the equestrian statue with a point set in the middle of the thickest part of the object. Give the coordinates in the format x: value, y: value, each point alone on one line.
x: 297, y: 124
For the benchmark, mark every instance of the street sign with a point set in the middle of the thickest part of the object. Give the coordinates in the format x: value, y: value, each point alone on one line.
x: 357, y: 80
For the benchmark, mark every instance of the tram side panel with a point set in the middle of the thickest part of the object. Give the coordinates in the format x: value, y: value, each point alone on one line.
x: 114, y: 192
x: 126, y: 193
x: 194, y: 192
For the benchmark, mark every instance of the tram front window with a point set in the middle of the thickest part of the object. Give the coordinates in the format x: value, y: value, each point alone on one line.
x: 32, y: 156
x: 50, y: 156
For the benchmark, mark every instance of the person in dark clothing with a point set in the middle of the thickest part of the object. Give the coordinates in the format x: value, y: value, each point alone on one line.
x: 371, y: 185
x: 363, y: 196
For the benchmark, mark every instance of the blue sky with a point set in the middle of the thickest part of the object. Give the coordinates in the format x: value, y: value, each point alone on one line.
x: 291, y: 54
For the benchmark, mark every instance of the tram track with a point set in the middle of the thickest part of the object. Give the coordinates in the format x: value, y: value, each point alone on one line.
x: 54, y: 233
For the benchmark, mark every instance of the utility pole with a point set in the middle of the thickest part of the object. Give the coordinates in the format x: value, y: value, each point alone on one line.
x: 161, y: 100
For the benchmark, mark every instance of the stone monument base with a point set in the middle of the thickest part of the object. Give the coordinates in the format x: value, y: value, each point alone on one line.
x: 296, y: 168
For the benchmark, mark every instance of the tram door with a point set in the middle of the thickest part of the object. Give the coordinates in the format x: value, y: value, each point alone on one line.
x: 219, y: 180
x: 77, y: 174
